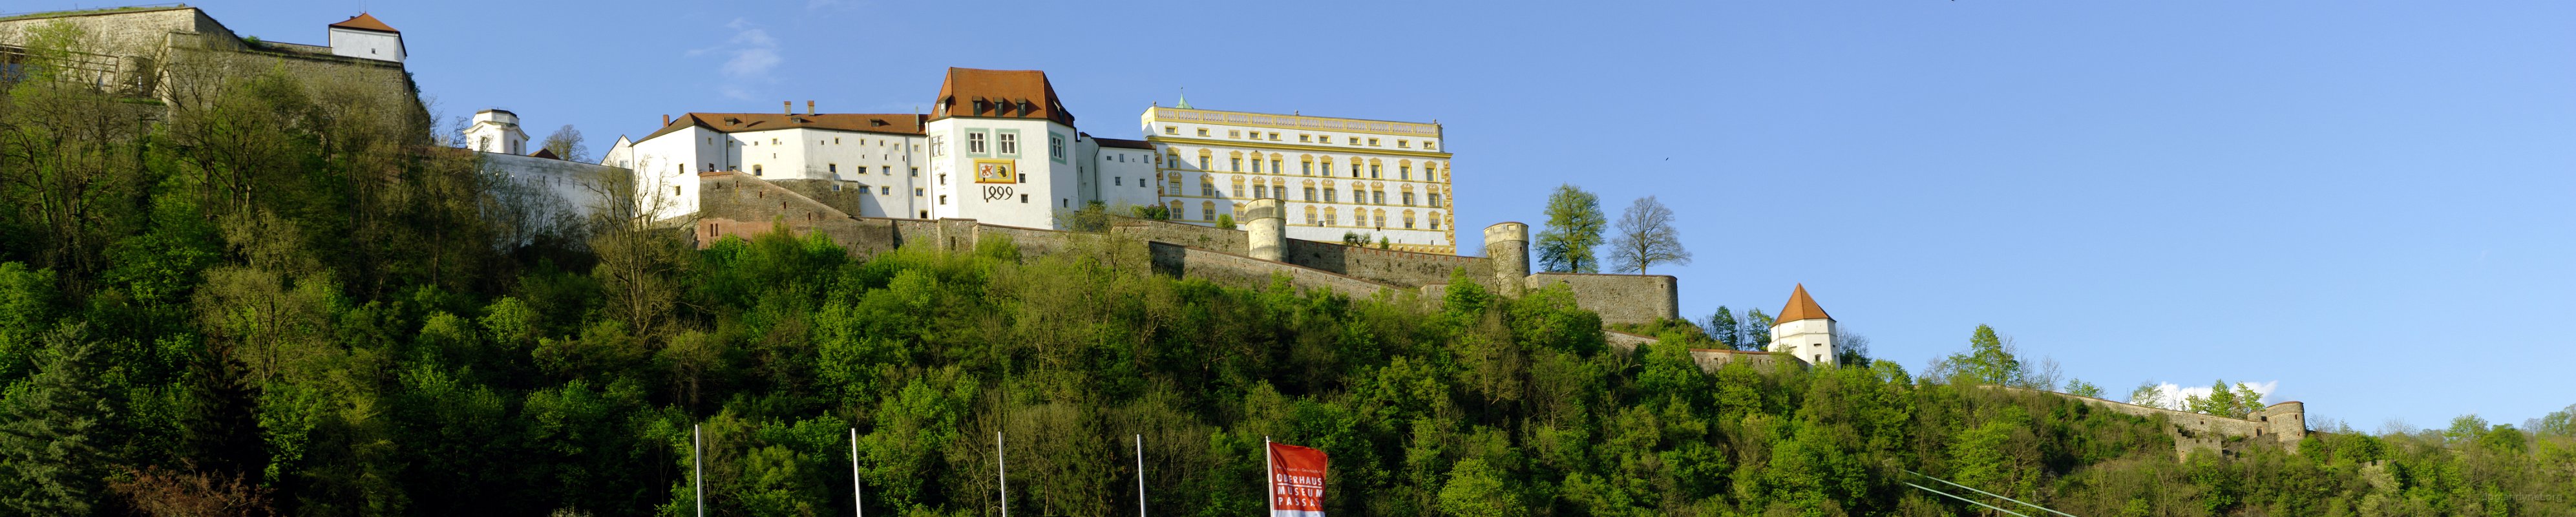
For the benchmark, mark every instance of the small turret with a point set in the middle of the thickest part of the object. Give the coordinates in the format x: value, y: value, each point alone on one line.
x: 1803, y: 330
x: 496, y: 131
x: 1507, y: 246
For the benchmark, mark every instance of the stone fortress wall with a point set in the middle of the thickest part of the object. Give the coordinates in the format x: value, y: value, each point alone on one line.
x: 2283, y: 423
x: 741, y: 205
x: 180, y: 55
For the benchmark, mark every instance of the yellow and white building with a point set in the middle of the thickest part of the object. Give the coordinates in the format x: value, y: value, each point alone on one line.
x: 1334, y: 176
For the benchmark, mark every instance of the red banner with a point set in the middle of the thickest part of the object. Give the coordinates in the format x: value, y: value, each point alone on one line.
x: 1296, y: 481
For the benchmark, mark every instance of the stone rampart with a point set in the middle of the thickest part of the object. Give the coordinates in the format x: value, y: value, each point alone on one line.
x: 1191, y: 235
x: 2284, y: 423
x: 1238, y: 270
x: 1401, y: 268
x: 1619, y: 298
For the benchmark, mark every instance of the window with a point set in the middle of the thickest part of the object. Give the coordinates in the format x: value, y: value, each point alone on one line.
x: 1261, y: 191
x: 1256, y: 165
x: 916, y: 192
x: 1435, y: 199
x: 1233, y: 134
x: 1408, y: 220
x: 1310, y: 193
x: 1435, y: 220
x: 1404, y: 172
x: 1355, y: 141
x: 1310, y: 216
x: 1308, y: 169
x: 675, y: 190
x: 975, y: 143
x: 1207, y: 187
x: 1274, y: 137
x: 1119, y: 181
x: 1024, y: 199
x: 1238, y: 189
x: 1426, y: 144
x: 1202, y: 132
x: 1064, y: 202
x: 755, y: 169
x: 1328, y: 217
x: 1377, y: 198
x: 1203, y: 161
x: 938, y: 145
x: 885, y: 191
x: 916, y: 172
x: 837, y: 141
x: 1372, y: 142
x: 1400, y: 144
x: 1234, y: 165
x: 1010, y: 142
x: 1055, y: 146
x: 1305, y: 138
x: 1171, y: 130
x: 832, y: 167
x: 882, y: 171
x: 943, y: 179
x: 1373, y: 171
x: 1408, y: 199
x: 1355, y: 169
x: 1358, y: 196
x: 1275, y: 165
x: 943, y: 200
x: 1207, y: 210
x: 1359, y: 218
x: 1328, y: 195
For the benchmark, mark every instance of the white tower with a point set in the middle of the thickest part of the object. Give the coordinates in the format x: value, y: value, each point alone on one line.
x: 496, y: 131
x: 1803, y: 330
x: 364, y: 37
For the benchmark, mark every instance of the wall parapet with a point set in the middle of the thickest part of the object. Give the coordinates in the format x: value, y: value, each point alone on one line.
x: 2284, y: 423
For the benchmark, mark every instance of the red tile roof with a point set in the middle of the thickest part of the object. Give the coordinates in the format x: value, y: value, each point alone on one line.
x: 366, y: 23
x: 969, y: 92
x: 1801, y: 307
x: 902, y: 124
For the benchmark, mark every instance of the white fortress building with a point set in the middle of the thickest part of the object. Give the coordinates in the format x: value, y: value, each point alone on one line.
x: 1803, y: 330
x: 1335, y: 177
x: 999, y: 147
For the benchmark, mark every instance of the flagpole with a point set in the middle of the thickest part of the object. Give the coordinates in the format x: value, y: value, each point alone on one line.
x: 1140, y: 475
x: 698, y: 461
x: 1001, y: 471
x: 857, y: 501
x: 1270, y: 476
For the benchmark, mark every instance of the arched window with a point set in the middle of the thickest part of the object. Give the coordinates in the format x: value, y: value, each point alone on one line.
x: 1435, y: 220
x: 1380, y: 216
x: 1207, y: 210
x: 1207, y: 185
x: 1238, y: 185
x: 1310, y: 215
x: 1175, y: 211
x: 1408, y: 219
x: 1173, y: 183
x: 1328, y: 217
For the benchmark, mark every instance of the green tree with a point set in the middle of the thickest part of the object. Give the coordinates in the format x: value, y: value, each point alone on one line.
x: 566, y: 144
x: 1987, y: 361
x: 2078, y: 387
x: 1722, y: 328
x: 1574, y: 226
x: 54, y: 445
x: 1475, y: 488
x: 1756, y: 330
x: 1647, y: 237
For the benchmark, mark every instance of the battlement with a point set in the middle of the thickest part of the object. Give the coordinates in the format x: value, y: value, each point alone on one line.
x: 742, y: 205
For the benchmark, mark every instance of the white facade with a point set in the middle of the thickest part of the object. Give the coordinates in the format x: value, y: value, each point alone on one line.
x: 367, y: 44
x: 496, y: 131
x: 1336, y: 176
x: 941, y: 166
x: 1810, y: 340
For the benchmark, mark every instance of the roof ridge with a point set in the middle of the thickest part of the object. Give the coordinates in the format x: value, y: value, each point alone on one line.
x: 1801, y: 307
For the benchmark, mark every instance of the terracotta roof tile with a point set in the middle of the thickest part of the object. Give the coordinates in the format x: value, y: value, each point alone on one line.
x: 1129, y: 144
x: 364, y: 22
x: 1801, y: 307
x: 969, y: 92
x: 544, y: 153
x: 902, y: 124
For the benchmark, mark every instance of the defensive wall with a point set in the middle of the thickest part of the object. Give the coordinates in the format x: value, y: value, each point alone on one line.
x: 2284, y: 423
x: 180, y: 55
x: 1708, y: 359
x: 741, y: 205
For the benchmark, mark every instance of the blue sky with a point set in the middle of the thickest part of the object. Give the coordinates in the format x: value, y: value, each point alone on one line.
x: 2367, y: 203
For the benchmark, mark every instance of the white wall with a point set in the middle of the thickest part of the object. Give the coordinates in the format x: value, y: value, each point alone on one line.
x: 1032, y: 201
x: 1810, y: 340
x: 366, y: 44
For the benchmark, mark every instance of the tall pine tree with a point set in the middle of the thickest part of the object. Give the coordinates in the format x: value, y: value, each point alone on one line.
x: 51, y: 456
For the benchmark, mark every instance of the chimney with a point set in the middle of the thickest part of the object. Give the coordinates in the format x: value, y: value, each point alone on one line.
x: 666, y: 119
x: 786, y: 107
x: 809, y: 108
